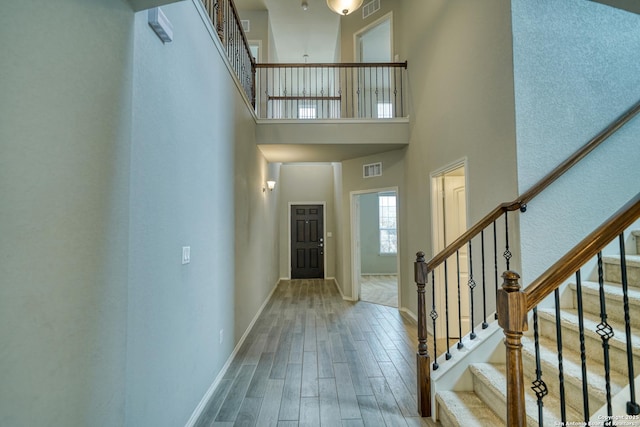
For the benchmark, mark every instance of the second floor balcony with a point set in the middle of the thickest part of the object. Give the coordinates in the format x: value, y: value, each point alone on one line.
x: 315, y: 112
x: 330, y: 91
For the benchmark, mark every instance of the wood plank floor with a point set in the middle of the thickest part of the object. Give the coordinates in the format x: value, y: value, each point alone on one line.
x: 379, y: 289
x: 313, y: 359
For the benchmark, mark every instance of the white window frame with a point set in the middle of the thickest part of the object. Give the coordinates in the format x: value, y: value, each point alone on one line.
x: 386, y: 213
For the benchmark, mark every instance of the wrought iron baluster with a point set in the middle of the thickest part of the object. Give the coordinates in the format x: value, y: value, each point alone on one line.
x: 395, y: 92
x: 372, y: 90
x: 583, y: 352
x: 495, y: 260
x: 375, y: 71
x: 460, y: 345
x: 472, y: 285
x: 434, y: 316
x: 632, y: 406
x: 402, y: 74
x: 539, y: 387
x: 485, y: 325
x: 606, y: 333
x: 507, y: 253
x: 446, y: 309
x: 563, y: 408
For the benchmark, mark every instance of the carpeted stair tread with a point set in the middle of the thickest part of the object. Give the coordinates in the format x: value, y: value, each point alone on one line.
x: 572, y: 368
x: 494, y: 377
x: 465, y: 408
x: 569, y: 319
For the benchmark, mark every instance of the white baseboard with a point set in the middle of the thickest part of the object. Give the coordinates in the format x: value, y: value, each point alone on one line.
x: 340, y: 289
x: 207, y: 396
x: 409, y: 313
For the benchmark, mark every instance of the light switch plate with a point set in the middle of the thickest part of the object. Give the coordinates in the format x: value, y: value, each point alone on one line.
x: 186, y: 254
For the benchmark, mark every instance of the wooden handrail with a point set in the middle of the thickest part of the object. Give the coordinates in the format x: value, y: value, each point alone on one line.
x: 470, y: 233
x: 526, y: 197
x: 244, y: 36
x: 582, y: 252
x: 579, y: 155
x: 336, y: 65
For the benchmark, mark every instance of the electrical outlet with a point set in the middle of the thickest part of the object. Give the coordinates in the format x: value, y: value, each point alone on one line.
x: 221, y: 335
x: 186, y: 254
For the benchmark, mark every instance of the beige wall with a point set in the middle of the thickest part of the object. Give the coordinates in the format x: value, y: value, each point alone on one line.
x: 351, y: 24
x: 461, y: 102
x: 393, y: 164
x: 65, y: 130
x: 307, y: 183
x: 196, y: 180
x: 117, y: 150
x: 259, y: 29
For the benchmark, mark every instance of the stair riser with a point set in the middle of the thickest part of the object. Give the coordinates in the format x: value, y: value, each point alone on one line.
x: 591, y: 304
x: 572, y: 390
x: 490, y: 397
x: 495, y: 401
x: 612, y: 273
x: 445, y: 417
x: 593, y: 346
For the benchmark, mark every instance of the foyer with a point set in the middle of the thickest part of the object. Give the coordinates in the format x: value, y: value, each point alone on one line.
x: 314, y: 359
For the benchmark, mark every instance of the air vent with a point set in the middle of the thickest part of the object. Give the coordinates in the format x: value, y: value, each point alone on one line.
x: 246, y: 25
x: 370, y: 8
x: 371, y: 170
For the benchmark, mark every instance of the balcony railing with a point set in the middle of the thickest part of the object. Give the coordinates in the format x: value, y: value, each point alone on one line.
x: 308, y: 91
x: 331, y: 91
x: 226, y: 22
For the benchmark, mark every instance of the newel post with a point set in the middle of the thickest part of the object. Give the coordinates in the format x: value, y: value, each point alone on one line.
x: 512, y: 317
x: 423, y: 360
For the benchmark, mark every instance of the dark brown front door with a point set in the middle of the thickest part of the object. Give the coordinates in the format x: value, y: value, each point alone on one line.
x: 307, y: 242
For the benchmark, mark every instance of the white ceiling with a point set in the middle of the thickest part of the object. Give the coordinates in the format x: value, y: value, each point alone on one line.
x: 296, y: 32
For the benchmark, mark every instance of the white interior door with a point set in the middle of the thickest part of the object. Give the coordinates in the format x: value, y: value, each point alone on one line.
x: 449, y: 222
x: 456, y: 209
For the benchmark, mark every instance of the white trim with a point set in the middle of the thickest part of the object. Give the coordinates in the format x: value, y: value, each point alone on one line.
x: 464, y: 163
x: 209, y: 394
x: 324, y: 233
x: 355, y: 281
x: 356, y: 51
x: 435, y: 217
x: 340, y: 290
x: 409, y: 313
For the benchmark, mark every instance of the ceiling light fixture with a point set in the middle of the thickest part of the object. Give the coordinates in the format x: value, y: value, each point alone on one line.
x: 304, y: 5
x: 344, y: 7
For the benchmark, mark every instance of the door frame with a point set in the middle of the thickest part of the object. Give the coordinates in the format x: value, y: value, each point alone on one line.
x: 355, y: 239
x: 356, y: 36
x: 324, y: 234
x: 435, y: 225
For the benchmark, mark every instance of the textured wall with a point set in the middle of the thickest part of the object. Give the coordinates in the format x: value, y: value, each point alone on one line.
x: 196, y: 180
x: 462, y: 106
x: 65, y: 123
x: 575, y: 67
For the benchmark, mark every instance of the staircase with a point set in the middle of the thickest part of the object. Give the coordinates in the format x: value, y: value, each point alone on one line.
x: 485, y: 404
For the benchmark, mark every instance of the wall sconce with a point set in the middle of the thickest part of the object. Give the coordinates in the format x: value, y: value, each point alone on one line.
x: 270, y: 185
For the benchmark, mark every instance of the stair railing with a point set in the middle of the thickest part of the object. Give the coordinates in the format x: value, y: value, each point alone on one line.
x: 475, y: 237
x: 226, y: 22
x: 370, y: 90
x: 514, y: 304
